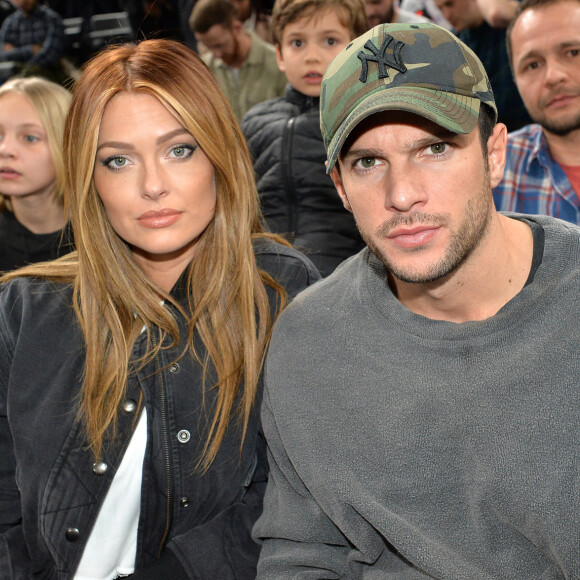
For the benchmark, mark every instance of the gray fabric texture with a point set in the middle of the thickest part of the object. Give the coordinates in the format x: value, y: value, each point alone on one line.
x: 403, y: 447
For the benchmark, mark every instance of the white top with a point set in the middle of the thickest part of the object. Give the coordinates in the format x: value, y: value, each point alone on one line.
x: 112, y: 545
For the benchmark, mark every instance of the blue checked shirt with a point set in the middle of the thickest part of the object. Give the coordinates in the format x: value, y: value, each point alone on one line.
x: 43, y: 27
x: 533, y: 182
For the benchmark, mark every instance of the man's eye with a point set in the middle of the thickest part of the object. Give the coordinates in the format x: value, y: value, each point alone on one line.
x: 438, y: 148
x: 367, y: 162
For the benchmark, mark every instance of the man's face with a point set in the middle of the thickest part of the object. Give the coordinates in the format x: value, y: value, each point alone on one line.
x: 379, y: 11
x: 420, y: 195
x: 461, y: 14
x: 546, y: 61
x: 221, y: 42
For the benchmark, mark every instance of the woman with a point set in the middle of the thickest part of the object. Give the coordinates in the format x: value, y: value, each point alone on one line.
x: 32, y: 221
x: 132, y: 444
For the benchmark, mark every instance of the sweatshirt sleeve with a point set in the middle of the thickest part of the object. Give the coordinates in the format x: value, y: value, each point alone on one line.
x: 299, y: 540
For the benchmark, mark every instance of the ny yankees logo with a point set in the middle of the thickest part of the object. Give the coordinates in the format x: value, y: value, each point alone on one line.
x: 383, y: 60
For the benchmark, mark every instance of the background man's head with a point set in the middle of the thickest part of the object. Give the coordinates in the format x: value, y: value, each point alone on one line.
x: 217, y: 25
x: 27, y: 6
x: 379, y: 11
x: 543, y: 42
x: 461, y: 14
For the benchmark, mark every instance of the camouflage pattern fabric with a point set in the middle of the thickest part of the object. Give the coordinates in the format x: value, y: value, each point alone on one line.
x: 419, y: 68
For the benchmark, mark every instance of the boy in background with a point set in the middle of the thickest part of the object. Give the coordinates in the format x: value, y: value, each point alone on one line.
x: 298, y: 199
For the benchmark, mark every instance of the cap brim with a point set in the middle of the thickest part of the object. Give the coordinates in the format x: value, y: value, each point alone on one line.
x: 457, y: 113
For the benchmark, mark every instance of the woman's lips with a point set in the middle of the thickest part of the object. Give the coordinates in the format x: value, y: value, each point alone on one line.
x: 161, y: 218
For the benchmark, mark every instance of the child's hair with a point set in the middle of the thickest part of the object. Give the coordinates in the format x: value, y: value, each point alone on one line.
x: 51, y: 103
x: 351, y: 14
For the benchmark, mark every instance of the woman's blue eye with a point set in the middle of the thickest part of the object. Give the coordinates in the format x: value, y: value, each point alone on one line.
x: 182, y: 151
x: 115, y: 162
x: 31, y: 138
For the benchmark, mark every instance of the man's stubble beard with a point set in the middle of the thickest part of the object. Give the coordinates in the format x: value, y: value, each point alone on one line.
x: 461, y: 245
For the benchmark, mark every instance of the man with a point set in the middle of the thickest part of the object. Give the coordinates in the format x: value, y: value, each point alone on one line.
x: 33, y: 36
x: 543, y: 160
x: 243, y: 64
x: 421, y: 404
x: 481, y: 25
x: 384, y: 11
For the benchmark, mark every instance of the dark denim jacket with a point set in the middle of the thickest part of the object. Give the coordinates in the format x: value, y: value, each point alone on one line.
x: 50, y: 488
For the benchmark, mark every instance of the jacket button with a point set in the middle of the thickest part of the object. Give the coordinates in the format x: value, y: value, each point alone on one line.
x: 183, y: 436
x: 129, y: 406
x: 184, y: 502
x: 100, y: 468
x: 174, y: 368
x: 72, y: 535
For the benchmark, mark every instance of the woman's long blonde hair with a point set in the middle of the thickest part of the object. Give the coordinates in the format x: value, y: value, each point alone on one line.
x: 51, y: 103
x: 113, y: 299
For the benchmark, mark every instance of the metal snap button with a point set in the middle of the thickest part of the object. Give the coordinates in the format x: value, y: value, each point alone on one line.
x: 72, y: 535
x: 129, y: 406
x: 184, y: 502
x: 174, y: 368
x: 100, y: 468
x: 183, y: 436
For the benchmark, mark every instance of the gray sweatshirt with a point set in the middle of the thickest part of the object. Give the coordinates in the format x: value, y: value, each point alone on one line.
x: 407, y: 448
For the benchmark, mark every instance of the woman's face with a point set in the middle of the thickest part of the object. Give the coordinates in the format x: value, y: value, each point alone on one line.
x: 155, y: 182
x: 26, y: 167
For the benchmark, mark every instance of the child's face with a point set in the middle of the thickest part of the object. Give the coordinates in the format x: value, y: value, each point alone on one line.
x: 26, y: 167
x: 307, y: 47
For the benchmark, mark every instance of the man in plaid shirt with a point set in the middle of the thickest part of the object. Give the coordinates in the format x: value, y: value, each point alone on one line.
x: 542, y: 174
x: 33, y: 35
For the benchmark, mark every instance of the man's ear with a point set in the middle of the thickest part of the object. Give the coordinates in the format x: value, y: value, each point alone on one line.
x: 280, y: 59
x: 337, y: 180
x: 496, y: 153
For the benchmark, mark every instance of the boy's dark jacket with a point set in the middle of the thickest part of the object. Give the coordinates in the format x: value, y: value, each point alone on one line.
x: 298, y: 199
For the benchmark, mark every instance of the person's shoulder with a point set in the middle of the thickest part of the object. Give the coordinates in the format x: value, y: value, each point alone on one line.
x: 285, y: 264
x: 36, y: 297
x: 261, y: 45
x: 526, y: 135
x: 332, y: 297
x: 276, y: 107
x: 48, y: 12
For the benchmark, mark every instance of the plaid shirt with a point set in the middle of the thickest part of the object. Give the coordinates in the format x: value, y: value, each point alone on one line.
x: 533, y: 182
x: 43, y: 27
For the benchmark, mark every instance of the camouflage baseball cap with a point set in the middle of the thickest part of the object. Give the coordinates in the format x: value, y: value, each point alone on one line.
x: 419, y: 68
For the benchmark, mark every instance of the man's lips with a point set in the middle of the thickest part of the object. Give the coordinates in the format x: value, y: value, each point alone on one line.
x: 412, y: 237
x: 560, y: 100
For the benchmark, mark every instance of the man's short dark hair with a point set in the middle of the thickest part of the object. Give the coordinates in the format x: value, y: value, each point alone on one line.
x: 486, y: 123
x: 208, y: 13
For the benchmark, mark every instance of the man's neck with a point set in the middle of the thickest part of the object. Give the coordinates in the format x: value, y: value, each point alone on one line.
x: 565, y: 149
x: 490, y: 277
